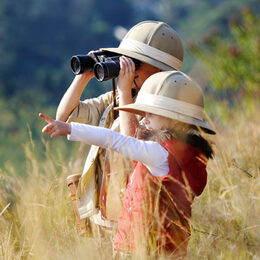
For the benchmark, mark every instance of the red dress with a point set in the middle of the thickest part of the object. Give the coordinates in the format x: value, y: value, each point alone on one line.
x: 156, y: 211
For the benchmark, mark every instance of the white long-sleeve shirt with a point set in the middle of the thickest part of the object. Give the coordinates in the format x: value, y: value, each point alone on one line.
x: 151, y: 154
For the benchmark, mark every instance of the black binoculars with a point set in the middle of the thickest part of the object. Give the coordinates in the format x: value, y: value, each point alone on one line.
x: 104, y: 64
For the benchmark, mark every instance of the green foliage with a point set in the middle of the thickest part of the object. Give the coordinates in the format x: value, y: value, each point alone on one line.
x: 20, y: 125
x: 232, y: 62
x: 39, y: 37
x: 192, y: 19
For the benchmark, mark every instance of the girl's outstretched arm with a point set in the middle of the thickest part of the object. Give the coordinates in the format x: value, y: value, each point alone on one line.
x: 55, y: 127
x: 152, y: 154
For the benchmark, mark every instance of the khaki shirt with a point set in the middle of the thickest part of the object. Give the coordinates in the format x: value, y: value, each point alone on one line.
x: 105, y: 172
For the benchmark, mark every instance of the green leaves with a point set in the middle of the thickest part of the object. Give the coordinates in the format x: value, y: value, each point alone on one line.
x: 232, y: 61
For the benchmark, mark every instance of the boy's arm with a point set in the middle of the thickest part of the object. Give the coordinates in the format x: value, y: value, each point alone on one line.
x: 128, y: 121
x: 72, y: 96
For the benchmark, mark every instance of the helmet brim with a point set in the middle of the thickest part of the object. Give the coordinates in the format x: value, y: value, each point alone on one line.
x: 140, y: 109
x: 140, y: 57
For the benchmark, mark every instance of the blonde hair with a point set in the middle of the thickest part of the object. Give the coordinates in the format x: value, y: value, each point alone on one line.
x: 178, y: 125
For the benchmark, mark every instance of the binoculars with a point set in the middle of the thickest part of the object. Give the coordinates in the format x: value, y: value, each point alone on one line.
x: 104, y: 64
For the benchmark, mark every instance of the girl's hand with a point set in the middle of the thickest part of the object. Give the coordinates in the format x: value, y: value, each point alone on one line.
x: 55, y: 127
x: 126, y: 75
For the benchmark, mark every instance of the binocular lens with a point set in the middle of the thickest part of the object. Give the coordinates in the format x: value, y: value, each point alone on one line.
x: 106, y: 70
x: 82, y: 63
x: 75, y: 65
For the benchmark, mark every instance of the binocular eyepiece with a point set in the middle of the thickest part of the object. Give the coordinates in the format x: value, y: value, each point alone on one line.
x: 104, y: 64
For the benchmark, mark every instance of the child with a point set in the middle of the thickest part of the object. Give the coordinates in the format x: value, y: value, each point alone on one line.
x: 170, y: 157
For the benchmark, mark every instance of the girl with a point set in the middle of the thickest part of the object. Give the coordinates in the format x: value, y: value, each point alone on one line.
x: 170, y: 155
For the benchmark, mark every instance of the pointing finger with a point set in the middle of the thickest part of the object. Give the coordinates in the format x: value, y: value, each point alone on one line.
x: 46, y: 118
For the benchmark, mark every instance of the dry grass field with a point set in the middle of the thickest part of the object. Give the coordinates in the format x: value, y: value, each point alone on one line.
x: 37, y: 221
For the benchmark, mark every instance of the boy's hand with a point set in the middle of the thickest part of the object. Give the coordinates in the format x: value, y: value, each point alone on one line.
x: 126, y: 75
x: 55, y: 127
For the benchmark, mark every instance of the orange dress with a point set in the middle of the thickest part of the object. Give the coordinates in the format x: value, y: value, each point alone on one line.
x: 156, y: 211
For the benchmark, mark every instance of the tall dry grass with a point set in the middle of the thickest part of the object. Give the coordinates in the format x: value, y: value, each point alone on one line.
x: 226, y: 218
x: 37, y: 221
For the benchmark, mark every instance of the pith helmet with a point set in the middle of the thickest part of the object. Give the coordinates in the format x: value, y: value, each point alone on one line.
x: 174, y: 95
x: 153, y: 42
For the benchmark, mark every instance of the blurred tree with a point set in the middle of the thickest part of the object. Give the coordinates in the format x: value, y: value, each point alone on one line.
x: 192, y: 18
x: 37, y: 39
x: 233, y: 62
